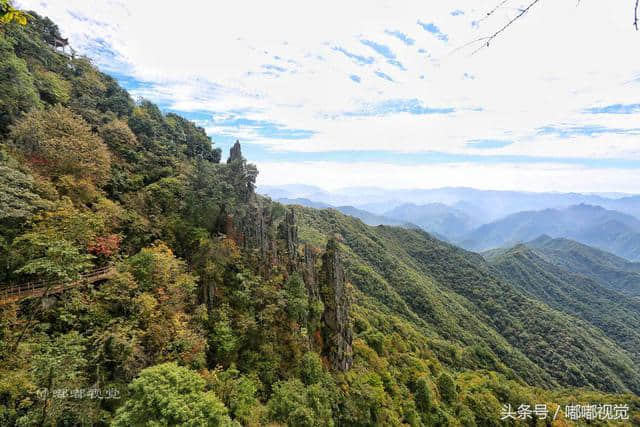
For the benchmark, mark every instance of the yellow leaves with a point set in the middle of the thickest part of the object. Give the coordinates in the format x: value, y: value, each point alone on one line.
x: 70, y: 223
x: 57, y: 142
x: 89, y: 81
x: 230, y: 248
x: 163, y: 275
x: 80, y: 190
x: 14, y: 15
x: 111, y: 212
x: 10, y: 14
x: 146, y: 305
x: 118, y: 136
x: 161, y: 249
x: 52, y: 87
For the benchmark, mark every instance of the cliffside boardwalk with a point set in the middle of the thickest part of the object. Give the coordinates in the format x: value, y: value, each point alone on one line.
x: 38, y: 289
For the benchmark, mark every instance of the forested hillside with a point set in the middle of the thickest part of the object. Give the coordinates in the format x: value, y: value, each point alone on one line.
x: 608, y: 270
x: 616, y: 315
x: 456, y: 295
x: 225, y: 308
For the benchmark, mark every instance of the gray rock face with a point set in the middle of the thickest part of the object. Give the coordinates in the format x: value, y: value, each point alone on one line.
x: 235, y: 153
x: 288, y: 231
x: 309, y: 273
x: 256, y: 226
x: 336, y: 326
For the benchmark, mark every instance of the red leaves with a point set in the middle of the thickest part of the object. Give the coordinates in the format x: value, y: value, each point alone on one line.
x: 105, y: 245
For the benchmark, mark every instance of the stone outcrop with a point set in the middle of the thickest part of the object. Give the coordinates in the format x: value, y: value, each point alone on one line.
x: 288, y: 232
x: 337, y: 332
x: 309, y: 273
x: 255, y: 227
x: 235, y: 153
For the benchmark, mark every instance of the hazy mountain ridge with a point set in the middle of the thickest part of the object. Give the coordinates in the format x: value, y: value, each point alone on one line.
x: 435, y: 218
x: 363, y: 215
x: 484, y: 206
x: 612, y: 231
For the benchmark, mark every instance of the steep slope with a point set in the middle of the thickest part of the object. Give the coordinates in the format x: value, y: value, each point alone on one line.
x: 608, y: 270
x: 455, y: 294
x: 578, y: 296
x: 609, y: 230
x: 435, y: 218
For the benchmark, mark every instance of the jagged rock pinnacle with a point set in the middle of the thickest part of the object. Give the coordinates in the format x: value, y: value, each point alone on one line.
x: 337, y: 332
x: 235, y: 153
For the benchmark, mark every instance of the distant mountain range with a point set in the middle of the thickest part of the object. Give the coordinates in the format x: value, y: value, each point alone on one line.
x: 609, y: 230
x: 435, y: 218
x: 480, y: 220
x: 364, y: 216
x: 482, y: 205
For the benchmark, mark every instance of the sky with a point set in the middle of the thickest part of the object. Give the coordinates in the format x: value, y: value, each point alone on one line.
x: 387, y: 93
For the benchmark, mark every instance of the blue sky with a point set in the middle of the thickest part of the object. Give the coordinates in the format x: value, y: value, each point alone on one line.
x: 381, y: 95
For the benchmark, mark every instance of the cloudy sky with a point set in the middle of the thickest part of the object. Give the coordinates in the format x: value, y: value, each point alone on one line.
x: 387, y: 93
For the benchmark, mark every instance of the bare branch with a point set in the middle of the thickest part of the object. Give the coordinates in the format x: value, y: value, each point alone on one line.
x: 508, y: 24
x: 635, y: 16
x: 472, y: 42
x: 492, y: 11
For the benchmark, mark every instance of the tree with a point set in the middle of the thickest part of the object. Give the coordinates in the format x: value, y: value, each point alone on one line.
x: 422, y: 395
x: 58, y: 364
x: 237, y: 392
x: 53, y: 88
x: 312, y: 370
x: 194, y: 139
x: 10, y: 14
x: 57, y: 142
x: 365, y: 399
x: 447, y: 388
x: 168, y: 394
x: 50, y: 257
x: 295, y: 294
x: 296, y: 405
x: 17, y: 89
x: 156, y: 269
x: 19, y: 197
x: 120, y: 139
x: 222, y: 338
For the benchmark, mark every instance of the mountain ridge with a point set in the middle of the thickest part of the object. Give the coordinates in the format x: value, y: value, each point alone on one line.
x: 596, y: 226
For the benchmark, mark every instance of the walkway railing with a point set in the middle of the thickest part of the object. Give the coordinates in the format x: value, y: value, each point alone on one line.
x: 38, y: 288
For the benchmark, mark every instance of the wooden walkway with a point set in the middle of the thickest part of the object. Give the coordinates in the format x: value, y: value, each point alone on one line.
x: 38, y: 289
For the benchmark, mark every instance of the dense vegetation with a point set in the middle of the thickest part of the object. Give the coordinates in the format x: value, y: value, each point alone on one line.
x: 457, y: 298
x: 225, y: 308
x: 588, y: 302
x: 606, y: 269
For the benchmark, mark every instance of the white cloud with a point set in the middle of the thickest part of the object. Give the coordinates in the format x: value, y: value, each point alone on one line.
x: 539, y: 177
x: 545, y: 70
